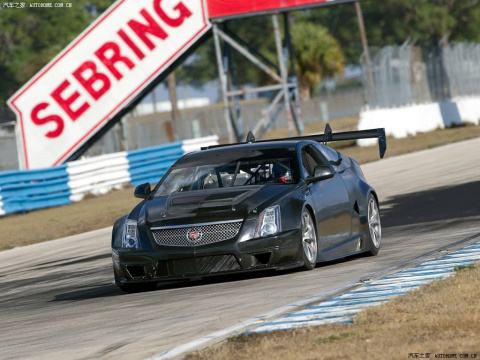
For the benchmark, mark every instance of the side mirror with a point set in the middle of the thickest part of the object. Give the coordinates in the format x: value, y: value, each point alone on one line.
x: 322, y: 172
x: 142, y: 191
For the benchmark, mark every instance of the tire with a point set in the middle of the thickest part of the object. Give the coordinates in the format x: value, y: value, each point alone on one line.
x: 309, y: 241
x: 137, y: 287
x: 374, y: 226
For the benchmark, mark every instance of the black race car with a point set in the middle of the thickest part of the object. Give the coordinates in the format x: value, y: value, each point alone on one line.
x: 276, y: 204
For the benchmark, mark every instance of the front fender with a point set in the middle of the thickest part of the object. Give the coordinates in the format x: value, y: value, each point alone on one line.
x: 292, y: 209
x: 117, y: 231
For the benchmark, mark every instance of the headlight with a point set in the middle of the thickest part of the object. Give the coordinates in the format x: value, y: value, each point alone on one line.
x: 130, y: 238
x: 269, y: 222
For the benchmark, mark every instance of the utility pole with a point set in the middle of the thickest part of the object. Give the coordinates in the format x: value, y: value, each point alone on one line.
x: 172, y: 90
x: 363, y: 36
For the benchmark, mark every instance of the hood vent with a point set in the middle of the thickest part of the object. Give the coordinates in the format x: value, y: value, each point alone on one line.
x: 217, y: 199
x: 231, y: 196
x: 218, y: 212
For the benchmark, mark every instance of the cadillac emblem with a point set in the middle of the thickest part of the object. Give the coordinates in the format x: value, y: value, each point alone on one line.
x: 194, y: 235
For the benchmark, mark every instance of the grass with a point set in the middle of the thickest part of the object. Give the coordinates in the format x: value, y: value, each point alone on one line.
x: 439, y: 318
x: 100, y: 212
x: 90, y: 214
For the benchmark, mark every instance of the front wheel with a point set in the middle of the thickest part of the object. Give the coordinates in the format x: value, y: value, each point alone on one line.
x: 374, y: 226
x: 309, y: 241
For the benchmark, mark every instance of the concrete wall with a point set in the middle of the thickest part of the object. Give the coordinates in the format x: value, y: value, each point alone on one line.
x: 410, y: 120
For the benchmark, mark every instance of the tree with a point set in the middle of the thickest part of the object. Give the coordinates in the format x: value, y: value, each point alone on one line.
x: 200, y: 67
x: 317, y: 55
x: 391, y: 22
x: 31, y: 37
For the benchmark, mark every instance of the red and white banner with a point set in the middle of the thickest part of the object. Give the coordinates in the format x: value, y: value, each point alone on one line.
x: 99, y: 72
x: 230, y: 8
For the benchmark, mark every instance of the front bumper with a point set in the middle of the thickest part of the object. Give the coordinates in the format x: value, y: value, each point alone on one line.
x: 226, y: 257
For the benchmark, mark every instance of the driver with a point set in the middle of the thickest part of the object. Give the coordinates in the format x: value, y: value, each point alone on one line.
x: 281, y: 174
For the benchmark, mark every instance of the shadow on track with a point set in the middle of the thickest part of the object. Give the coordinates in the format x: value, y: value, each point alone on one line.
x: 109, y: 290
x: 446, y: 203
x: 89, y: 293
x: 73, y: 261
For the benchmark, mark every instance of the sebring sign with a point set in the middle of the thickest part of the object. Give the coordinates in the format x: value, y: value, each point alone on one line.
x: 99, y: 73
x: 235, y: 8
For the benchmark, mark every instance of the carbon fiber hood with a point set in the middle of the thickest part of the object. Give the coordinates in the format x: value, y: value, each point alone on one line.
x: 211, y: 205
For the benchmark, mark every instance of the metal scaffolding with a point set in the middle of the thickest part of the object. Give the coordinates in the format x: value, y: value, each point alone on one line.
x: 283, y: 76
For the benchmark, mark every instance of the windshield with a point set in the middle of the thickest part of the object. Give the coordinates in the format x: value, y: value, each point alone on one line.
x: 244, y: 172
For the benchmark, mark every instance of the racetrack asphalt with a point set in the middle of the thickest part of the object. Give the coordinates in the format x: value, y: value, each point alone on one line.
x: 57, y: 299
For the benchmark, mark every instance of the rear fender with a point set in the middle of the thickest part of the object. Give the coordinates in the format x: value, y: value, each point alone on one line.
x: 361, y: 197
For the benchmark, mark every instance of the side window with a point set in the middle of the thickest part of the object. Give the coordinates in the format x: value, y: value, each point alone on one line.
x: 310, y: 158
x: 308, y: 162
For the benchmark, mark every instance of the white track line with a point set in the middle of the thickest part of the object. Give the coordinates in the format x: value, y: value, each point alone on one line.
x: 343, y: 308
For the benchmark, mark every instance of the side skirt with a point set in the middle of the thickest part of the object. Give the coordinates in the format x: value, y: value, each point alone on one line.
x: 354, y: 245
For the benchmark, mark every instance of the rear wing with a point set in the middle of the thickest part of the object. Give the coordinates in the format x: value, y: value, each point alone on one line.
x: 328, y: 136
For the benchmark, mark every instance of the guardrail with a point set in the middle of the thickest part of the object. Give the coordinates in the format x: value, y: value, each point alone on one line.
x: 22, y: 191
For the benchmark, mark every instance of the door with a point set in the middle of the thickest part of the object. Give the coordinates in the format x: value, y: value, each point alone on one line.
x: 332, y: 203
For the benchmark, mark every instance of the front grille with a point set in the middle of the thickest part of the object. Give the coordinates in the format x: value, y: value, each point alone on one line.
x: 198, y: 266
x: 198, y: 234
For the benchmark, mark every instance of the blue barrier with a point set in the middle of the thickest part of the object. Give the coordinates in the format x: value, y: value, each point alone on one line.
x: 155, y: 151
x: 33, y: 189
x: 35, y: 203
x: 150, y: 164
x: 26, y: 176
x: 28, y: 190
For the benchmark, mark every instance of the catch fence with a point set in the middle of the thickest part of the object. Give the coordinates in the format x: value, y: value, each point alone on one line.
x: 407, y: 74
x: 141, y: 131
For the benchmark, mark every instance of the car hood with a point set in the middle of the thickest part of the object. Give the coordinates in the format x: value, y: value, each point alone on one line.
x: 211, y: 205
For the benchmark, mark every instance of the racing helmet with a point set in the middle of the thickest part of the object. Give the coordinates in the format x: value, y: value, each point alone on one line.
x: 281, y: 174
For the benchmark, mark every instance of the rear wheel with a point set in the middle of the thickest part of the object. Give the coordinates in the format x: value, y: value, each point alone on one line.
x: 374, y: 225
x: 309, y: 241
